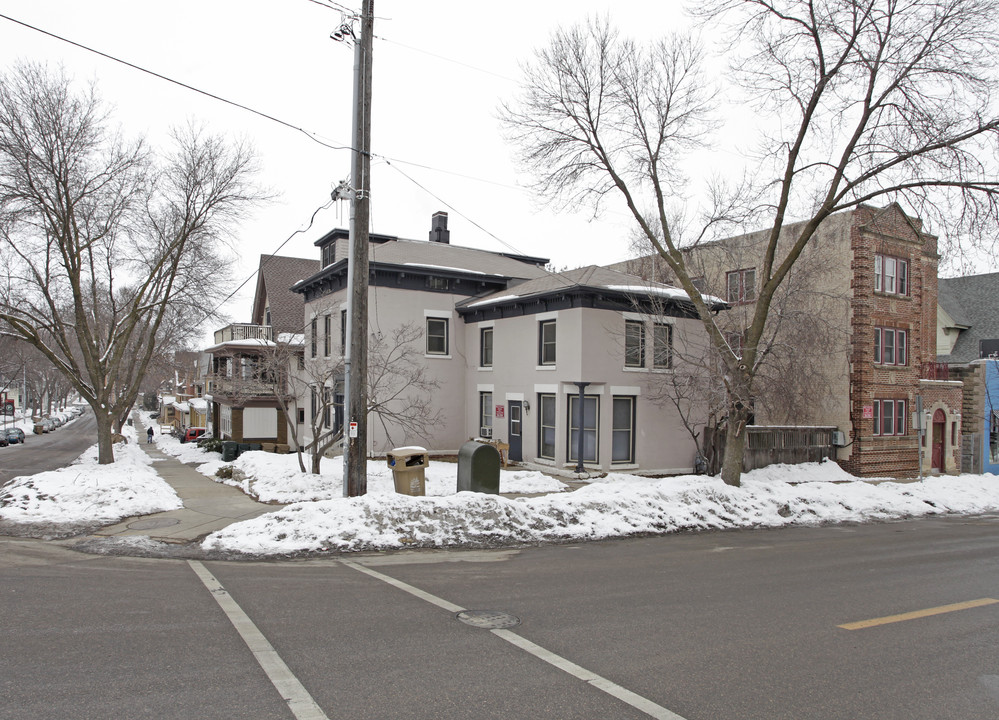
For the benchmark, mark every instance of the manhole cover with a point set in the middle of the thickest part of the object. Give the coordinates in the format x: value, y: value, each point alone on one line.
x: 153, y: 523
x: 488, y: 619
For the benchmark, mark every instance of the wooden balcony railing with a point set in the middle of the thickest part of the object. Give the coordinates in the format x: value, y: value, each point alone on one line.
x: 244, y: 331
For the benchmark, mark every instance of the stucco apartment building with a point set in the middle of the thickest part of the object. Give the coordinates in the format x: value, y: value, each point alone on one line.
x: 855, y: 346
x: 553, y: 364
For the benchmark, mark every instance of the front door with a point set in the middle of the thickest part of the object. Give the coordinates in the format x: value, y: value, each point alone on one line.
x: 515, y: 430
x: 939, y: 425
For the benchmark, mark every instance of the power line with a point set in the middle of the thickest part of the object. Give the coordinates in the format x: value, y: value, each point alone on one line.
x: 447, y: 59
x: 266, y: 116
x: 265, y: 261
x: 312, y: 136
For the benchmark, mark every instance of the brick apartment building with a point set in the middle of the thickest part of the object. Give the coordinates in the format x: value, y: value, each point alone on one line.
x: 869, y: 280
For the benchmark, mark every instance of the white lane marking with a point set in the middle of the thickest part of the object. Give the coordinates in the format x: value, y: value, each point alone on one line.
x: 300, y: 702
x: 611, y: 688
x: 601, y: 683
x: 432, y: 599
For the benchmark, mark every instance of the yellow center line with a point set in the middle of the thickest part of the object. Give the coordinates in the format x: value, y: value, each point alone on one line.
x: 860, y: 625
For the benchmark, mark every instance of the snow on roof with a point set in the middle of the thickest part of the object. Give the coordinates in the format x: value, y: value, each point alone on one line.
x: 198, y: 403
x: 249, y: 342
x: 490, y: 301
x: 451, y: 269
x: 291, y: 338
x: 662, y: 290
x: 182, y: 407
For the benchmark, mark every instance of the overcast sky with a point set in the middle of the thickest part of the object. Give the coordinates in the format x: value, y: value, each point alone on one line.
x: 440, y: 70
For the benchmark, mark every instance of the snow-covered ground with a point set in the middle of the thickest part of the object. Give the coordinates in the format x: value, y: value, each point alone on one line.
x: 615, y: 506
x: 86, y: 493
x: 319, y: 519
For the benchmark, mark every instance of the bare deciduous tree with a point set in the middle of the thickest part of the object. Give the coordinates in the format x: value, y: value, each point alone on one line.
x: 871, y: 101
x: 400, y: 392
x: 113, y: 251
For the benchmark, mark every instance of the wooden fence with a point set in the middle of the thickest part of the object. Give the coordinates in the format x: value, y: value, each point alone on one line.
x: 770, y: 444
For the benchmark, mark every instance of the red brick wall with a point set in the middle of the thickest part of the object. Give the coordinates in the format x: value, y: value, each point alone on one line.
x: 889, y: 232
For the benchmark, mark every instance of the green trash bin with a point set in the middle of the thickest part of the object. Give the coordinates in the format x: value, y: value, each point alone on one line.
x: 409, y: 466
x: 230, y: 451
x: 478, y: 468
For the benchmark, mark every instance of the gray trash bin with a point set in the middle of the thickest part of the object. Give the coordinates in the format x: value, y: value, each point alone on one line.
x: 409, y: 465
x: 230, y: 451
x: 478, y: 468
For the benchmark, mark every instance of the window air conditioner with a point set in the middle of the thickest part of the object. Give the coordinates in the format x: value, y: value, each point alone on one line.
x: 486, y: 432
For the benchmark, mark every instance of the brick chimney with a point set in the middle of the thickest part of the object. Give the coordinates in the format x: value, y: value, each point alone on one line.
x: 438, y: 228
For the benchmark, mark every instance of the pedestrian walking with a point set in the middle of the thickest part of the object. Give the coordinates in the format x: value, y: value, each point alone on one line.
x: 149, y: 434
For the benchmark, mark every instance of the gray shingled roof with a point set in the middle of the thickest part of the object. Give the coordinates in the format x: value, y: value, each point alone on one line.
x: 591, y: 277
x: 454, y: 257
x: 274, y: 280
x: 971, y: 301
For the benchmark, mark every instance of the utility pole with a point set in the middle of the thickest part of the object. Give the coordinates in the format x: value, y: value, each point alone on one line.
x: 355, y: 473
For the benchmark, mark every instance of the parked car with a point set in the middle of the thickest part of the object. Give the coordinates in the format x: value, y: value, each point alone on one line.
x: 3, y: 440
x: 191, y: 434
x: 15, y: 435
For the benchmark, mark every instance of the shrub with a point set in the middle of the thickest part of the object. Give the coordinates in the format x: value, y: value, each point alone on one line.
x: 210, y: 444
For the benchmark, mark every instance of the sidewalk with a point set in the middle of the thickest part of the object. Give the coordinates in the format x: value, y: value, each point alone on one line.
x: 208, y: 505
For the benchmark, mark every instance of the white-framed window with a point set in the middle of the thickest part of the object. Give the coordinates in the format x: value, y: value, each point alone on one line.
x: 662, y: 346
x: 634, y: 343
x: 546, y: 342
x: 485, y: 414
x: 314, y: 331
x: 486, y: 347
x: 327, y: 333
x: 437, y: 336
x: 585, y: 420
x: 546, y: 426
x: 623, y: 432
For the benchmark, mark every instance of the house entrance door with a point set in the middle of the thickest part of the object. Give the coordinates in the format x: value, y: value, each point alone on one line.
x: 939, y: 424
x: 516, y: 429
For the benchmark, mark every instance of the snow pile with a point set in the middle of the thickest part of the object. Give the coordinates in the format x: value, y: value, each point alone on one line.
x: 277, y: 478
x: 88, y: 493
x: 618, y: 506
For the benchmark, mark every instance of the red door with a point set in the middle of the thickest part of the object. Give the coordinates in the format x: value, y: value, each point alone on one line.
x: 939, y: 425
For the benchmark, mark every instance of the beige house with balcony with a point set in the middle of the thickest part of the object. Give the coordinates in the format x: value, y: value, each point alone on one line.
x: 252, y: 363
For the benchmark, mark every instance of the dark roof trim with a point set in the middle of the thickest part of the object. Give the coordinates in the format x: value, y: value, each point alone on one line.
x: 578, y: 297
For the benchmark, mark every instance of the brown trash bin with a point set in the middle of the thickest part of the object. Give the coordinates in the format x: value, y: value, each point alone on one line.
x: 409, y: 466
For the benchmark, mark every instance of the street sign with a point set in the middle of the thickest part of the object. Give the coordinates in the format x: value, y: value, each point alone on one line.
x: 353, y: 430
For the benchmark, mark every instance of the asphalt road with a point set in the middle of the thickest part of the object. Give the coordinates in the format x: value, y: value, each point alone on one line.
x: 741, y: 624
x: 49, y: 451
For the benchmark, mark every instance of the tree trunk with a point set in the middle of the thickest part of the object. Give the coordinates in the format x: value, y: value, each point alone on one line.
x: 735, y: 444
x: 316, y: 459
x: 105, y: 428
